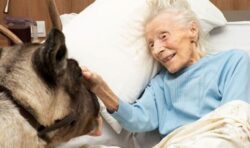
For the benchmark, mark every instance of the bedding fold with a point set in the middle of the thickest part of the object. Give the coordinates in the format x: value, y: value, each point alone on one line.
x: 228, y: 126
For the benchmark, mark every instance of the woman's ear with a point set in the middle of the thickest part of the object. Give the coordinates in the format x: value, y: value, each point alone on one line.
x: 193, y: 31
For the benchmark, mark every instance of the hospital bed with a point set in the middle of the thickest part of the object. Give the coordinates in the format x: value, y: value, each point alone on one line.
x: 234, y: 33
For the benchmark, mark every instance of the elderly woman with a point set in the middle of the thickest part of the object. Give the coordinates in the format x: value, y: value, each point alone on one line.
x: 190, y: 85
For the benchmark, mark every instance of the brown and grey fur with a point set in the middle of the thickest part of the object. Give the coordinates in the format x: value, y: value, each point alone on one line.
x: 39, y: 87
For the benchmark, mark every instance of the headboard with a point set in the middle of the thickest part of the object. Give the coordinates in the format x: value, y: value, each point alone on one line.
x: 234, y: 10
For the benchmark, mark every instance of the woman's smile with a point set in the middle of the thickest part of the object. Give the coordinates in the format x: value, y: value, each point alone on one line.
x: 168, y: 58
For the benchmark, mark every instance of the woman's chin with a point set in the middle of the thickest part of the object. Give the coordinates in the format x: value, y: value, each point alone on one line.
x: 172, y: 70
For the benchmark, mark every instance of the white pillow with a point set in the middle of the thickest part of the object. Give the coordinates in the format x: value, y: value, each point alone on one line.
x: 108, y: 38
x: 209, y: 15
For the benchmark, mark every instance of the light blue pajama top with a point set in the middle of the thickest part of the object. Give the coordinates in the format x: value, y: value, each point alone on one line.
x: 173, y: 100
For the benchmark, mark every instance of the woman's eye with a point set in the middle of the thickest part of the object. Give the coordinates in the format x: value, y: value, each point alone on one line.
x: 151, y: 45
x: 163, y: 36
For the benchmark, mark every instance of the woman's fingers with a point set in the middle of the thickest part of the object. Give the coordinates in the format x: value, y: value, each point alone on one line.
x: 86, y: 73
x: 84, y: 68
x: 93, y: 78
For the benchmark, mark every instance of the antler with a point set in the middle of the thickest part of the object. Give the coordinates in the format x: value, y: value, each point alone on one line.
x: 54, y: 14
x: 7, y: 33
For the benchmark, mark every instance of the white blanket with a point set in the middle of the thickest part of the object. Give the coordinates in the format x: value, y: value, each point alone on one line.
x: 226, y: 127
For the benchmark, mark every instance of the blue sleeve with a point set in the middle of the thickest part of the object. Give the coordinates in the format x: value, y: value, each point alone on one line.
x: 140, y: 116
x: 237, y: 80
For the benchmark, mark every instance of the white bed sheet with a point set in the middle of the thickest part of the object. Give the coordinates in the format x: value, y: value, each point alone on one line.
x: 233, y: 35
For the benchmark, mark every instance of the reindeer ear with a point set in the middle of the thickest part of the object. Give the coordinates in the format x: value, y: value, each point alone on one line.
x: 51, y: 59
x: 55, y: 51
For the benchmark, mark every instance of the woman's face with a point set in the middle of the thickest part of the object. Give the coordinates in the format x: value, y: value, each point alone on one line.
x: 173, y: 45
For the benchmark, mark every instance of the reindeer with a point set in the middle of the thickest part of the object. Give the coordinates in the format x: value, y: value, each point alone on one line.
x: 44, y: 99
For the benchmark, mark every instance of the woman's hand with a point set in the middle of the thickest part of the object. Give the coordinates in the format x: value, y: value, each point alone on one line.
x: 94, y: 79
x: 101, y: 89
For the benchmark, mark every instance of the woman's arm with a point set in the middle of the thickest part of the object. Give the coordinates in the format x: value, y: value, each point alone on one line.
x: 101, y: 89
x: 137, y: 117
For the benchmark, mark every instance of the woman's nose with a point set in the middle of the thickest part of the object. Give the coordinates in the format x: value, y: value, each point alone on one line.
x: 158, y: 47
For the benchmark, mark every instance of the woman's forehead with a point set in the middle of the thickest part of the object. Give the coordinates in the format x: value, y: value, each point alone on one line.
x: 162, y: 21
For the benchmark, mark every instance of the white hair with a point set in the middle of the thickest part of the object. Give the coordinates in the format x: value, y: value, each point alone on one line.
x: 182, y: 13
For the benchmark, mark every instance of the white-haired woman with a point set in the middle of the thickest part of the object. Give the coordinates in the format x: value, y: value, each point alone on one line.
x: 190, y: 85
